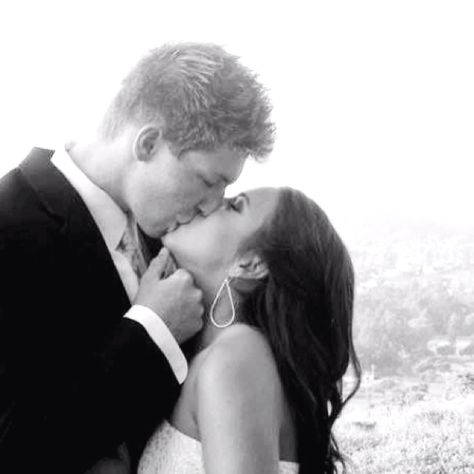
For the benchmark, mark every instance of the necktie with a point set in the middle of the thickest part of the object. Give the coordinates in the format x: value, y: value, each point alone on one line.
x: 129, y: 246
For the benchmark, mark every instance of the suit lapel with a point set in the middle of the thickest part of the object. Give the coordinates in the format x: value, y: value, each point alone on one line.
x: 85, y: 245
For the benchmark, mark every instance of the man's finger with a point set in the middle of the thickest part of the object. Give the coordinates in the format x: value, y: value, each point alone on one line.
x: 170, y: 267
x: 159, y: 263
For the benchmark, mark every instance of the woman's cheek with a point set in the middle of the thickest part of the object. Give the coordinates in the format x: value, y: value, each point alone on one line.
x: 205, y: 243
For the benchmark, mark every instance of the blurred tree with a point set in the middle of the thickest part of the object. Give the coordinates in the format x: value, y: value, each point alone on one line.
x: 455, y: 327
x: 468, y: 329
x: 380, y: 340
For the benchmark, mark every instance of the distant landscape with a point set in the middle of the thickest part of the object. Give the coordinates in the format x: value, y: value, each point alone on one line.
x: 414, y: 334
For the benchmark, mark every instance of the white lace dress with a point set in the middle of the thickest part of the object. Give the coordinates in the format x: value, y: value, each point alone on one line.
x: 171, y: 452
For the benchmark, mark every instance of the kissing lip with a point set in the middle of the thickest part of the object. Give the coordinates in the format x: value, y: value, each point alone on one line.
x: 179, y: 223
x: 184, y: 222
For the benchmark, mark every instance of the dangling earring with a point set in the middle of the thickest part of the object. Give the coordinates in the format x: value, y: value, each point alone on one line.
x: 225, y: 284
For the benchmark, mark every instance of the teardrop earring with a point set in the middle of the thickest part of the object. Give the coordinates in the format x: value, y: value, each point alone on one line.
x: 225, y: 284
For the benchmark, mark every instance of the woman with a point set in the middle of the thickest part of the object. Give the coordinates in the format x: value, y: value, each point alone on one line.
x: 264, y: 382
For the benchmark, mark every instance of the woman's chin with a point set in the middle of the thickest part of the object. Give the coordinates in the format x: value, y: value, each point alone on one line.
x: 175, y: 245
x: 170, y: 235
x: 168, y: 242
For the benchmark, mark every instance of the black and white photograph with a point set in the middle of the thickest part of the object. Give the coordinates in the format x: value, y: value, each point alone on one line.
x: 237, y: 237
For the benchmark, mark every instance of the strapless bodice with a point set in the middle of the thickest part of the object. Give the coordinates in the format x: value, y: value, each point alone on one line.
x: 169, y: 451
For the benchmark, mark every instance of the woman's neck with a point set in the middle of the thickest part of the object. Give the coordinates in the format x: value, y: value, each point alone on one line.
x: 207, y: 336
x: 209, y: 333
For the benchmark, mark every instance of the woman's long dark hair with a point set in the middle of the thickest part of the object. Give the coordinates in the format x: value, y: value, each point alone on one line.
x: 304, y: 307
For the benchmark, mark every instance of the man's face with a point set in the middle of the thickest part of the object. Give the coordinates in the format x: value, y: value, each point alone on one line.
x: 168, y: 191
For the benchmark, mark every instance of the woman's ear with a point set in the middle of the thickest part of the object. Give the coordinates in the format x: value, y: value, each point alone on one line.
x: 146, y: 142
x: 250, y: 267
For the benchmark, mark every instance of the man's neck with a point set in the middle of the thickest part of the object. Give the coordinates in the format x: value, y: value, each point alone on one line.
x: 96, y: 161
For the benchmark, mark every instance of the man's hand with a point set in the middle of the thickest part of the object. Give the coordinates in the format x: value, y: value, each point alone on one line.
x: 174, y: 298
x: 117, y: 465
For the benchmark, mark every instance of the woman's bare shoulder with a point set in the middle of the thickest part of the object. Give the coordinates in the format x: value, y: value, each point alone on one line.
x: 239, y: 345
x: 239, y: 359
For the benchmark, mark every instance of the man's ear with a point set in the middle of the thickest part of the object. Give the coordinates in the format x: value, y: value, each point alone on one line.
x: 147, y: 142
x: 250, y: 267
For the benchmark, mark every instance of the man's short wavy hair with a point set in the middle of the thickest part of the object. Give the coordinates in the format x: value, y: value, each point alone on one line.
x: 203, y: 97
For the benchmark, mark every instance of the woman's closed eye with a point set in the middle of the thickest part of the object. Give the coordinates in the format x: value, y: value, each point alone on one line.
x: 236, y: 203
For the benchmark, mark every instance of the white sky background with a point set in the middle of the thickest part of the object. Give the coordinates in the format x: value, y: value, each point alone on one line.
x: 373, y: 100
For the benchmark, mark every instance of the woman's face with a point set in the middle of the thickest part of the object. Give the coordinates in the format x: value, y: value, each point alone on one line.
x: 208, y: 247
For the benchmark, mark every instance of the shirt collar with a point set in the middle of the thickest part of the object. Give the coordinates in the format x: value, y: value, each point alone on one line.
x: 108, y: 216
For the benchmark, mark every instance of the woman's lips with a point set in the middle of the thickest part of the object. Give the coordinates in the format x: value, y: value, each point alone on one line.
x: 178, y: 224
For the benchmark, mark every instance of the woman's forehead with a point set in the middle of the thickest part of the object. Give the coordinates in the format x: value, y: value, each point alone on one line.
x: 262, y: 200
x: 258, y: 196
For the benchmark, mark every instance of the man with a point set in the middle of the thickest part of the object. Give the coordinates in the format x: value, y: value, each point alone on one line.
x: 89, y: 354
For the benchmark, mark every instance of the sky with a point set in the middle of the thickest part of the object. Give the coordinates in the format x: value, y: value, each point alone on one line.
x: 373, y: 100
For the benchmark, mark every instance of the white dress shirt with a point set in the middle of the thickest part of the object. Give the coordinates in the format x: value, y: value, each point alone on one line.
x: 111, y: 221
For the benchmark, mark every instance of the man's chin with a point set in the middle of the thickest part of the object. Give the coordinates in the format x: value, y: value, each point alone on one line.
x: 153, y: 232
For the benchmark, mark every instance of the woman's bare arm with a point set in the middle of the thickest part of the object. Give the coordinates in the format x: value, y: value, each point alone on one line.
x: 239, y: 406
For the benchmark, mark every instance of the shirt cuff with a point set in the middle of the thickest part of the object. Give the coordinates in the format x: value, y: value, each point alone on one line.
x: 162, y: 337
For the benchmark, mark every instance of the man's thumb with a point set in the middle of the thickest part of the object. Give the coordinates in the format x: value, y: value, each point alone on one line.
x: 160, y: 262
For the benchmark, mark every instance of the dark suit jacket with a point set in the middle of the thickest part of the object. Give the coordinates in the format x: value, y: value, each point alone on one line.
x: 76, y: 378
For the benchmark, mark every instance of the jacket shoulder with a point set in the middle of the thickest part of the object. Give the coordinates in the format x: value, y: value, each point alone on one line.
x: 15, y: 198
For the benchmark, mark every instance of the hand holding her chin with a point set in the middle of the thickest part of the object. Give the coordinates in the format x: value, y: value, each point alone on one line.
x: 172, y: 294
